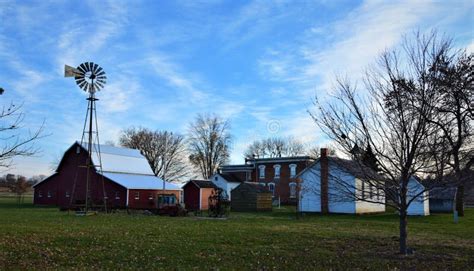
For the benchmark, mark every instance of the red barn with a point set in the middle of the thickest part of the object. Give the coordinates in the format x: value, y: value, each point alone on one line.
x: 126, y: 177
x: 196, y: 194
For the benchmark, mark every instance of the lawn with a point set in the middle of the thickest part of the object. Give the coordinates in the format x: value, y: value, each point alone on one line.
x: 40, y: 238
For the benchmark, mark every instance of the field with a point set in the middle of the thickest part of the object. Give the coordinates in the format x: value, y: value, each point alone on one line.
x: 45, y: 238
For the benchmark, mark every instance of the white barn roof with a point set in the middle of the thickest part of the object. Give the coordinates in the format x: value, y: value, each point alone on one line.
x: 133, y: 181
x: 127, y: 167
x: 120, y: 160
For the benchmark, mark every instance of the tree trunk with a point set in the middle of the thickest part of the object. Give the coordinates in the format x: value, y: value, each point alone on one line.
x: 403, y: 232
x: 460, y: 200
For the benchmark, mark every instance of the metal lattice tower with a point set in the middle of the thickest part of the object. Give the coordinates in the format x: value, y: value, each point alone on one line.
x: 90, y: 78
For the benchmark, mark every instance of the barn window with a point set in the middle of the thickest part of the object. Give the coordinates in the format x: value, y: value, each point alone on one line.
x: 150, y: 196
x: 261, y: 169
x: 292, y: 190
x: 137, y: 195
x: 40, y: 194
x: 117, y: 195
x: 67, y: 194
x: 78, y: 150
x: 105, y: 195
x: 271, y: 187
x: 277, y: 171
x: 292, y: 170
x: 49, y: 194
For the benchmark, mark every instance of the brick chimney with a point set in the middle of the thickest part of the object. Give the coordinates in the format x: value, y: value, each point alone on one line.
x: 324, y: 181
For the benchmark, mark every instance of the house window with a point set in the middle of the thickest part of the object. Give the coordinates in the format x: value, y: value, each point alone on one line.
x: 292, y: 190
x: 261, y: 170
x: 277, y: 171
x: 292, y: 170
x: 40, y: 194
x: 262, y: 184
x: 67, y: 194
x: 271, y: 187
x: 137, y: 195
x: 117, y: 195
x: 49, y: 194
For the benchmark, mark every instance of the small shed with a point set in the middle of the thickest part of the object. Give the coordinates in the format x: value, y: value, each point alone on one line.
x: 251, y: 197
x: 420, y: 205
x: 443, y: 200
x: 196, y: 194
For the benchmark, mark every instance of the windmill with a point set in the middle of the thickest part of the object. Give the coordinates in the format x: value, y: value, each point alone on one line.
x: 90, y: 77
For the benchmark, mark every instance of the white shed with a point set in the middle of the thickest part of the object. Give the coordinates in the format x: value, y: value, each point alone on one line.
x: 226, y: 182
x: 421, y: 204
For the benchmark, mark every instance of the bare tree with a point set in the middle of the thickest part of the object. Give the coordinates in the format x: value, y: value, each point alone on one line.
x: 455, y: 114
x: 165, y: 151
x: 315, y: 151
x: 208, y: 144
x: 14, y: 144
x: 275, y: 147
x: 394, y: 117
x: 19, y: 186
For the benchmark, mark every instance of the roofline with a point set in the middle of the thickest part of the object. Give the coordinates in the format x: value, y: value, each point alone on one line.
x: 281, y: 159
x: 225, y: 178
x: 45, y: 179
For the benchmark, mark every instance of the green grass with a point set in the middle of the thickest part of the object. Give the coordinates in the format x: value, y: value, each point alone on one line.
x: 45, y: 238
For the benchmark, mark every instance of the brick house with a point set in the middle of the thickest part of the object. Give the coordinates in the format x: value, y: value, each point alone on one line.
x: 277, y: 174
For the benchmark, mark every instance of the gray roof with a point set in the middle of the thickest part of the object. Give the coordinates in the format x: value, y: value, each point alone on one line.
x: 353, y: 167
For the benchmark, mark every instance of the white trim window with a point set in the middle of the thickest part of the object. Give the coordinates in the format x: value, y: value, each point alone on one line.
x: 261, y: 171
x: 117, y: 195
x: 277, y: 171
x: 137, y: 195
x: 150, y: 196
x: 49, y: 194
x: 262, y: 184
x: 40, y: 194
x: 67, y: 194
x: 292, y: 170
x: 271, y: 187
x: 292, y: 190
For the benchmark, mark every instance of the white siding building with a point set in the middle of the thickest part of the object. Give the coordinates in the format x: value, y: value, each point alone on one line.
x: 421, y: 204
x: 226, y: 182
x: 341, y: 183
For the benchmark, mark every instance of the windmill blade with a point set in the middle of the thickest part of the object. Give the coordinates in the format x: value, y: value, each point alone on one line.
x: 95, y: 68
x: 99, y: 70
x: 83, y: 85
x: 81, y: 69
x: 100, y: 73
x: 84, y: 68
x: 103, y: 77
x: 80, y: 80
x: 99, y: 84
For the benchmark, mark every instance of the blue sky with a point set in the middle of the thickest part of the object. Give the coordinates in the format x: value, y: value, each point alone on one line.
x: 257, y: 63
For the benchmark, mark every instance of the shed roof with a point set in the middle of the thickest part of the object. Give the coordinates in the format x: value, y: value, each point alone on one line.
x: 353, y: 167
x: 443, y: 193
x: 203, y: 184
x: 134, y: 181
x: 256, y: 186
x: 229, y: 177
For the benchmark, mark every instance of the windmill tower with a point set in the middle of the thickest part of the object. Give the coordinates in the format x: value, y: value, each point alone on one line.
x: 90, y: 77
